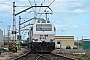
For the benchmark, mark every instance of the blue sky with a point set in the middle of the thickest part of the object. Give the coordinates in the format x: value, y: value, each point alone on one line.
x: 70, y: 16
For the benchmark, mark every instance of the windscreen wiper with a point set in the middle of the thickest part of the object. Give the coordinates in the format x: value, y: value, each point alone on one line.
x: 41, y: 28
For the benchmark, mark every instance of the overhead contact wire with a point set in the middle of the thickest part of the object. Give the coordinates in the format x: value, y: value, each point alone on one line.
x: 46, y: 8
x: 31, y: 5
x: 35, y: 8
x: 41, y: 5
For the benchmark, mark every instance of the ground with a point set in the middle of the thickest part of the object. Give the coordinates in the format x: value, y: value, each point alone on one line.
x: 74, y: 53
x: 11, y: 55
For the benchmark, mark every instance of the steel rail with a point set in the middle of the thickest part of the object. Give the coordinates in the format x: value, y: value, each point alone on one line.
x: 43, y: 56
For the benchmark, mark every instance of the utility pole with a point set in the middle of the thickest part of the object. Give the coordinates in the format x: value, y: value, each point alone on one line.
x: 19, y: 37
x: 8, y: 28
x: 14, y: 24
x: 82, y: 38
x: 78, y: 42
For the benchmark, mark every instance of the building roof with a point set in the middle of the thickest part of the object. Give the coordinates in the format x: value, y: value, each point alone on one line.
x: 64, y: 37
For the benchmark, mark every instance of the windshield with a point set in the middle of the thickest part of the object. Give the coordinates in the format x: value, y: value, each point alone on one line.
x: 43, y: 27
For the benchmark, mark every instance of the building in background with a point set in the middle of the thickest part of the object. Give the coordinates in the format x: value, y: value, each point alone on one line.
x: 86, y: 44
x: 63, y: 41
x: 1, y: 38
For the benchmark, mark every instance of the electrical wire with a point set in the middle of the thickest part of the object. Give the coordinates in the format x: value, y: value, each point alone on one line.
x: 42, y: 2
x: 52, y: 2
x: 46, y: 8
x: 35, y: 2
x: 31, y: 5
x: 35, y: 9
x: 41, y: 5
x: 10, y: 1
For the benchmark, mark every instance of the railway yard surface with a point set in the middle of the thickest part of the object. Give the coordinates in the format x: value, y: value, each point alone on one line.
x: 76, y: 54
x: 11, y: 55
x: 57, y: 54
x: 42, y: 57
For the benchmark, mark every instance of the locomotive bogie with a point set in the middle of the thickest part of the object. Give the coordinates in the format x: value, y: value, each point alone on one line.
x: 43, y: 46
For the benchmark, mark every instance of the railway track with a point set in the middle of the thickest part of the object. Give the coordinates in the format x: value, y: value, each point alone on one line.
x: 30, y: 56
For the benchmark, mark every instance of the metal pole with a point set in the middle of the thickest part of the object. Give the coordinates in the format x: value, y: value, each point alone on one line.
x: 14, y: 24
x: 82, y: 37
x: 78, y: 42
x: 8, y: 28
x: 19, y: 31
x: 46, y: 14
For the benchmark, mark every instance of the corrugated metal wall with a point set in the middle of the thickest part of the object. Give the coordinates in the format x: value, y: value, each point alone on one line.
x: 86, y: 44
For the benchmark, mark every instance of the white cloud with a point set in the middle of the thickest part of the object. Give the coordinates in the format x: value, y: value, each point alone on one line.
x: 68, y: 19
x: 65, y: 6
x: 57, y: 6
x: 74, y: 26
x: 5, y: 7
x: 77, y: 11
x: 65, y: 26
x: 59, y: 26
